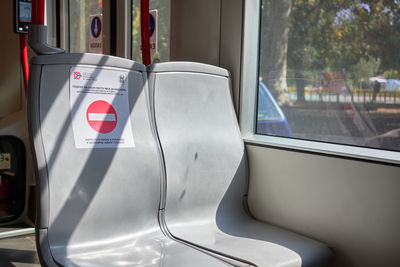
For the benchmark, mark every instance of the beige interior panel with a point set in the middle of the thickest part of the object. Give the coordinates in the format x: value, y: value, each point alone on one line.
x: 195, y: 31
x: 351, y: 205
x: 10, y: 68
x: 231, y: 42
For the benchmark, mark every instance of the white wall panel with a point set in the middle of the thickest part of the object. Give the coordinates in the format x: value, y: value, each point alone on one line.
x: 351, y: 205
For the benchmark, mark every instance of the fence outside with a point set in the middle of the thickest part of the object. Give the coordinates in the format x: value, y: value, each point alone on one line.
x: 359, y: 96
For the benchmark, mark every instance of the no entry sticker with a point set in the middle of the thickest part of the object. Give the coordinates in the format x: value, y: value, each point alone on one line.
x: 100, y: 108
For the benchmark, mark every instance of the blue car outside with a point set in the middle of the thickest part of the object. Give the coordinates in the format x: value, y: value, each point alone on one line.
x: 270, y: 118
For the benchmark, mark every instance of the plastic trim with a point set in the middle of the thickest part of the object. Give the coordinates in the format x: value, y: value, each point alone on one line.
x: 88, y: 58
x: 363, y: 153
x: 37, y: 40
x: 43, y: 247
x: 38, y: 155
x: 249, y: 70
x: 19, y: 232
x: 184, y: 66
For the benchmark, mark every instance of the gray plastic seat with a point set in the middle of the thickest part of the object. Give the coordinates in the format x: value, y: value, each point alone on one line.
x: 98, y: 206
x: 206, y: 170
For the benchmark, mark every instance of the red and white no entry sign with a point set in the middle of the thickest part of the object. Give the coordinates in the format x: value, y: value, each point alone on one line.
x: 97, y: 123
x: 101, y: 116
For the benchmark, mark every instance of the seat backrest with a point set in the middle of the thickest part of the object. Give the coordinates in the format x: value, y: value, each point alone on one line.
x: 96, y: 152
x: 200, y: 139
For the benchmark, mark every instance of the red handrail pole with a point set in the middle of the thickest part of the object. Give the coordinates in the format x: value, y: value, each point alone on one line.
x: 38, y: 12
x: 145, y: 31
x: 24, y: 60
x: 37, y: 18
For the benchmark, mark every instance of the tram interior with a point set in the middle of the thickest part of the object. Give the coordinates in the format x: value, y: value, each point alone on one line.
x: 243, y: 133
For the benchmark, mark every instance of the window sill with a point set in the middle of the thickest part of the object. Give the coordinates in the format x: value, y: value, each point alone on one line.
x: 378, y: 155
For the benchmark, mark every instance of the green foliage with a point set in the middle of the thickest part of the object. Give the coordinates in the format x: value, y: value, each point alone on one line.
x: 375, y: 28
x: 363, y: 70
x: 361, y: 36
x: 313, y: 39
x: 391, y: 74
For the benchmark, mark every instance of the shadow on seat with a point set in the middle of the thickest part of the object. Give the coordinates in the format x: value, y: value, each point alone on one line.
x: 98, y: 169
x: 206, y: 170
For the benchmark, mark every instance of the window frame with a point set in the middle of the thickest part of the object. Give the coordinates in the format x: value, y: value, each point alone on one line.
x: 118, y: 23
x: 248, y: 103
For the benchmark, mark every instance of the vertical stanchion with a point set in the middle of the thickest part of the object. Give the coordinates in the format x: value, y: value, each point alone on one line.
x: 145, y: 31
x: 24, y: 60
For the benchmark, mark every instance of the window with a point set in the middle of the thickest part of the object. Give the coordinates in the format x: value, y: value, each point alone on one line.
x: 86, y: 17
x: 162, y: 32
x: 88, y: 26
x: 333, y: 68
